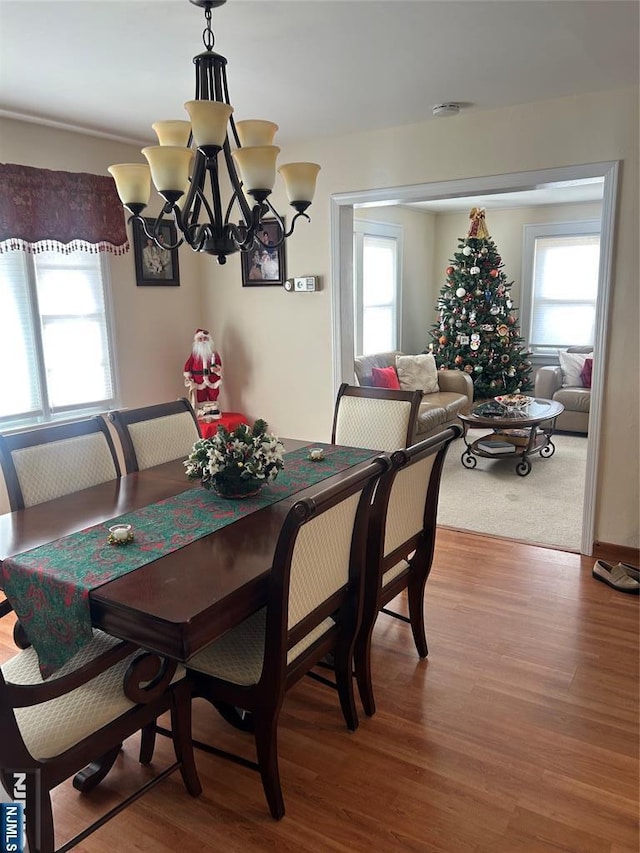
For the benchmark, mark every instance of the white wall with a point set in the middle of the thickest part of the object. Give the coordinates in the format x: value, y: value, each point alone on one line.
x: 277, y: 347
x: 282, y: 342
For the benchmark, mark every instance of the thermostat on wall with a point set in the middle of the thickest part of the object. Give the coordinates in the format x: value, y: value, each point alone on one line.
x: 309, y: 283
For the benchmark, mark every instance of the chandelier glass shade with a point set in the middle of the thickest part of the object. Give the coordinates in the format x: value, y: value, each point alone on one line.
x: 186, y: 164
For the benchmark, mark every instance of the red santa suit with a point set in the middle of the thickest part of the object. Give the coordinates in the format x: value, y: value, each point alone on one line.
x: 203, y: 371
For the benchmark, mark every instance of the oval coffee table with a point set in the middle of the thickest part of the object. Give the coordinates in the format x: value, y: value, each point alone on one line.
x: 519, y: 431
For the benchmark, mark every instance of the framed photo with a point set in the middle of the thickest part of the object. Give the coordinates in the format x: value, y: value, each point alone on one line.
x: 263, y: 266
x: 155, y: 265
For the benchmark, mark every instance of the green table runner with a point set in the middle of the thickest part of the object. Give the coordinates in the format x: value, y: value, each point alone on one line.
x: 49, y: 586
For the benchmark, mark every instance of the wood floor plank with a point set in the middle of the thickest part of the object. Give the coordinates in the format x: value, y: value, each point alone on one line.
x: 518, y: 734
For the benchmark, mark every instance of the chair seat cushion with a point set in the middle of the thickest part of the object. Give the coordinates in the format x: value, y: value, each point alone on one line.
x: 574, y: 399
x: 439, y: 409
x: 52, y: 727
x: 238, y: 655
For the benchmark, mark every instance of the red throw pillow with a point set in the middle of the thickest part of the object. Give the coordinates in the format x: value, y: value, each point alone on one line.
x: 585, y: 374
x: 385, y: 377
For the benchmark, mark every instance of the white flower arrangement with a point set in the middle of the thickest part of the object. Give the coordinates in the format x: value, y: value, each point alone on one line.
x: 246, y: 453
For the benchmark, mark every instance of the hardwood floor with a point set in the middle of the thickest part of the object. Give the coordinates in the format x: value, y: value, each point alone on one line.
x: 518, y: 733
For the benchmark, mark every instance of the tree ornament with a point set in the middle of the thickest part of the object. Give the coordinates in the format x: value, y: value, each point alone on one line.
x: 502, y: 330
x: 509, y: 304
x: 487, y: 295
x: 442, y: 340
x: 494, y: 273
x: 466, y: 251
x: 449, y: 270
x: 478, y: 368
x: 484, y: 250
x: 458, y: 359
x: 495, y: 310
x: 504, y: 358
x: 468, y: 368
x: 511, y: 319
x: 475, y: 270
x: 478, y: 228
x: 474, y: 345
x: 460, y: 292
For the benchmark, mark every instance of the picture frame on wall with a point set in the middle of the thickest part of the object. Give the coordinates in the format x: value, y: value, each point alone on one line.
x: 263, y: 266
x: 155, y: 265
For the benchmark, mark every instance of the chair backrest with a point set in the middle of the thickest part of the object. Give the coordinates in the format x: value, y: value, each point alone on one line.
x: 378, y: 418
x: 405, y: 519
x: 318, y: 568
x: 45, y: 463
x: 152, y: 435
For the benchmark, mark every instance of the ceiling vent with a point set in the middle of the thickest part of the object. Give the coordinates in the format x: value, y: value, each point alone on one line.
x: 442, y: 110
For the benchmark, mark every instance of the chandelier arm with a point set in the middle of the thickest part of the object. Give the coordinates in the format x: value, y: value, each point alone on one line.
x: 236, y: 184
x: 243, y: 237
x: 155, y: 232
x: 225, y: 89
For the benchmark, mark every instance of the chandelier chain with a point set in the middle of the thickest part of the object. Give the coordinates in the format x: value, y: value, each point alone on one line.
x: 208, y: 37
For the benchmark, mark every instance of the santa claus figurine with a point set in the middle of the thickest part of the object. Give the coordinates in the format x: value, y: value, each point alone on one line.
x: 202, y: 375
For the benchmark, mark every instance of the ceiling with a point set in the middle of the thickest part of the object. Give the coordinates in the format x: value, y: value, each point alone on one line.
x: 319, y: 68
x: 562, y: 192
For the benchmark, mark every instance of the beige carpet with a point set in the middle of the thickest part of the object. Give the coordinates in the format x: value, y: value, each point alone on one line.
x: 544, y: 507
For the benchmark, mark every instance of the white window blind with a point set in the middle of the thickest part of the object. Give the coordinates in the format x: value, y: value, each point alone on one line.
x: 560, y: 272
x: 54, y: 336
x: 377, y: 257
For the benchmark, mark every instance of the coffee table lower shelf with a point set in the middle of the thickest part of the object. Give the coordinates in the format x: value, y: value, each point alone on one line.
x: 541, y: 444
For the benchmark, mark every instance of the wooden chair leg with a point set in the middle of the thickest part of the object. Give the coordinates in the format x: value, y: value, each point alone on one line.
x: 266, y: 736
x: 182, y: 742
x: 344, y: 684
x: 362, y: 667
x: 90, y: 776
x: 40, y: 833
x: 147, y: 743
x: 415, y: 594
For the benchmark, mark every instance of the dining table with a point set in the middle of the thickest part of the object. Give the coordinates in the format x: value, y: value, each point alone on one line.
x: 177, y: 602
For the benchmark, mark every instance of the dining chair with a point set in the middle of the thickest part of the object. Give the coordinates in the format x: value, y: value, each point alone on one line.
x: 155, y: 434
x: 378, y: 418
x: 47, y: 462
x: 313, y: 603
x: 400, y: 547
x: 75, y: 721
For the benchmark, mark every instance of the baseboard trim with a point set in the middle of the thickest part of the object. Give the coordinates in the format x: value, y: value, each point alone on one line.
x: 619, y: 553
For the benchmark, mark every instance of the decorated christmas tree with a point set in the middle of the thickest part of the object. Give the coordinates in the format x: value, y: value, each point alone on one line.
x: 478, y: 330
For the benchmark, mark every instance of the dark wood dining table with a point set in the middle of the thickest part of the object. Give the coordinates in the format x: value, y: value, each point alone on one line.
x: 180, y: 602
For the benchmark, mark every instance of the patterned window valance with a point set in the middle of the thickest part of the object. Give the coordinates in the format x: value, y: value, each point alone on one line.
x: 42, y: 210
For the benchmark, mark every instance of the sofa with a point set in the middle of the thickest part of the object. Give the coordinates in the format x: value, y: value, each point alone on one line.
x: 438, y: 409
x: 570, y: 385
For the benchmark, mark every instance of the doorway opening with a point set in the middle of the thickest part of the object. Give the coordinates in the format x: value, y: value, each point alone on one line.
x: 342, y: 212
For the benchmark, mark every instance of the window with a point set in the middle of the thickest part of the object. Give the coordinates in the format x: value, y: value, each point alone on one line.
x: 377, y: 269
x: 55, y: 350
x: 561, y: 263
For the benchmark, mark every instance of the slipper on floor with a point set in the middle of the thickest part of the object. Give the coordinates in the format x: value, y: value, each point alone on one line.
x: 630, y: 570
x: 615, y: 576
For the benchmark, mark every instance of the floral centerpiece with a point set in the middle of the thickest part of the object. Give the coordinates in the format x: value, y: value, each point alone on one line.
x: 237, y: 463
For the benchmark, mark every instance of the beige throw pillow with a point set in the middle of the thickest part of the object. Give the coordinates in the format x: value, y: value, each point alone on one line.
x: 571, y: 364
x: 417, y: 373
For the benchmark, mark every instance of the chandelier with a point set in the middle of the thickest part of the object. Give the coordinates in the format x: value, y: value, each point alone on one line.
x: 191, y: 154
